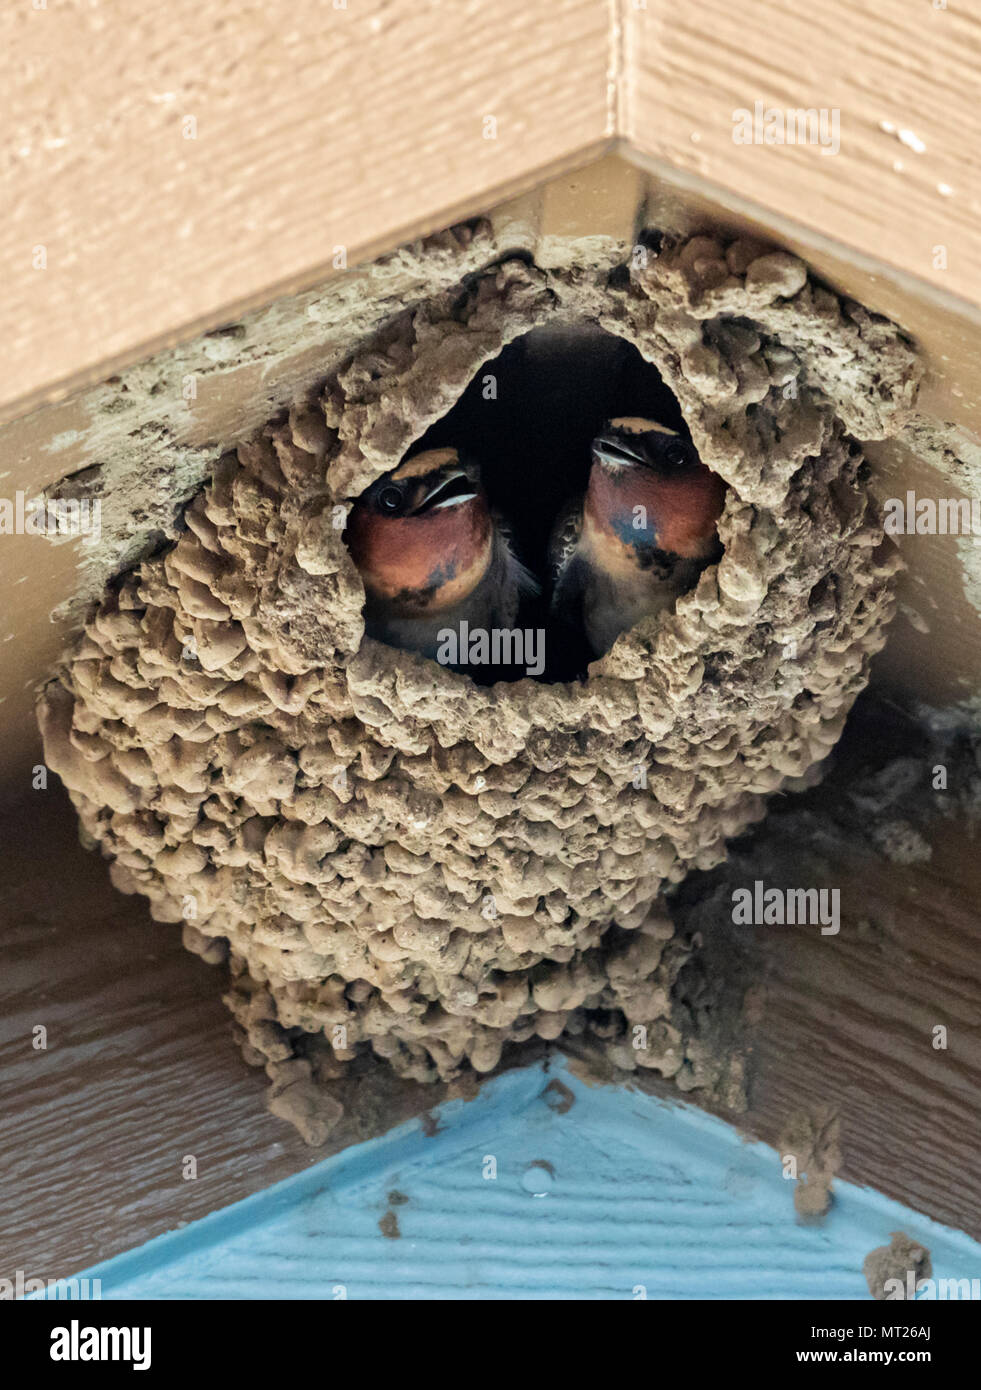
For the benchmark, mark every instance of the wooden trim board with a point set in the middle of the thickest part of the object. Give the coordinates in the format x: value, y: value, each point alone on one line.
x: 167, y: 169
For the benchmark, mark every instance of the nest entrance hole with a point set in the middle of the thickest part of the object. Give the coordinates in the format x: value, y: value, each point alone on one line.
x: 530, y: 414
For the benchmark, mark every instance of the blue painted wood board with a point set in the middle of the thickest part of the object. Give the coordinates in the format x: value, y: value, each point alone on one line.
x: 621, y: 1196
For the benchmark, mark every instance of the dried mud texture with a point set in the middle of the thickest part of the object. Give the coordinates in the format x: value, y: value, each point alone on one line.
x: 897, y: 1260
x: 395, y: 859
x: 149, y: 447
x: 956, y: 454
x: 814, y: 1140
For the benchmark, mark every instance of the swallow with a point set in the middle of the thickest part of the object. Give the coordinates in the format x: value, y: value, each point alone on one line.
x: 641, y: 535
x: 432, y: 554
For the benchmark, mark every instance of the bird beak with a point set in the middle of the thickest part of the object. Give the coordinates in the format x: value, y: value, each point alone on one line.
x: 616, y: 452
x: 450, y: 490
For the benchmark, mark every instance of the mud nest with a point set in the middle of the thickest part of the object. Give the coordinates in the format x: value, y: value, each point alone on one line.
x: 393, y: 858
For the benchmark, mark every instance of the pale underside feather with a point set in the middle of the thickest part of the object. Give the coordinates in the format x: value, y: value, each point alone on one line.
x: 564, y: 543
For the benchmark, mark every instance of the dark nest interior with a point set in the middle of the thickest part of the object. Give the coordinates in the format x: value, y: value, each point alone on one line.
x: 528, y: 417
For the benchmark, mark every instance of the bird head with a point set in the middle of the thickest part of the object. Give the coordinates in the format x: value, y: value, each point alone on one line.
x: 649, y: 492
x: 421, y: 535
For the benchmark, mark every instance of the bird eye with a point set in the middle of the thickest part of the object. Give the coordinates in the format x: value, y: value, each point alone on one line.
x: 390, y: 499
x: 676, y: 455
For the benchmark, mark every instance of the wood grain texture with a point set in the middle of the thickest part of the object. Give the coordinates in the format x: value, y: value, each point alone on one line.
x: 851, y: 1028
x: 847, y: 1022
x: 140, y: 1068
x: 355, y: 123
x: 632, y: 1192
x: 902, y: 74
x: 846, y: 1033
x: 360, y: 123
